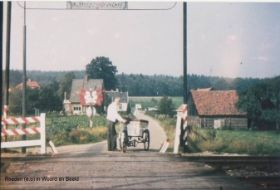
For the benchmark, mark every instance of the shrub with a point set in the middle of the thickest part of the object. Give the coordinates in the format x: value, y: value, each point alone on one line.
x: 166, y: 106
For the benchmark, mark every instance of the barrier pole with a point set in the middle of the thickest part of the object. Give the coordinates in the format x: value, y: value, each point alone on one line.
x: 182, y: 113
x: 177, y: 133
x: 43, y: 132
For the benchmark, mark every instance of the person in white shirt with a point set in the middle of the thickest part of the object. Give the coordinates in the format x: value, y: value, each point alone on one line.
x: 112, y: 118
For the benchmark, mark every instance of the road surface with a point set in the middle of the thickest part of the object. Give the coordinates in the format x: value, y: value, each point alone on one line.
x: 157, y: 136
x: 92, y: 167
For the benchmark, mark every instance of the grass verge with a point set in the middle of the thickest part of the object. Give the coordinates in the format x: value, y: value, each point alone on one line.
x: 168, y: 124
x: 224, y: 141
x: 235, y: 141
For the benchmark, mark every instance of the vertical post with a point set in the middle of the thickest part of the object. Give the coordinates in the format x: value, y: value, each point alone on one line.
x: 185, y: 88
x: 8, y: 42
x: 24, y: 73
x: 182, y: 113
x: 177, y: 133
x: 1, y: 54
x: 43, y: 132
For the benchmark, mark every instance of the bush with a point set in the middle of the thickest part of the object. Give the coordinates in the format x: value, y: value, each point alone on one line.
x: 166, y: 106
x: 87, y: 135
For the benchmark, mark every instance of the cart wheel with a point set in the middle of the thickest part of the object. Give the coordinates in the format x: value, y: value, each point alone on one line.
x: 122, y: 142
x: 146, y: 140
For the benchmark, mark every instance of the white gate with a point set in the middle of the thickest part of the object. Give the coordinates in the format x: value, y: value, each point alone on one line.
x: 12, y: 121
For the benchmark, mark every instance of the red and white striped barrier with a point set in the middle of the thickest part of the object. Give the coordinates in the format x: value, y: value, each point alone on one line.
x: 20, y: 120
x: 182, y: 113
x: 20, y: 131
x: 12, y: 121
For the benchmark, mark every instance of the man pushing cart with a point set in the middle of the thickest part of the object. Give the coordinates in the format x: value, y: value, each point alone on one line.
x: 132, y: 133
x: 112, y: 118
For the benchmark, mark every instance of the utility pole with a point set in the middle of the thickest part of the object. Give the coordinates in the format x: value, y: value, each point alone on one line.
x: 8, y: 45
x: 185, y: 88
x: 24, y: 73
x: 1, y: 53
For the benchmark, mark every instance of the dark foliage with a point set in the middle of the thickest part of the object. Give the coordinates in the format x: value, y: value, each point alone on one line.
x: 166, y: 106
x: 45, y: 99
x: 102, y: 68
x: 261, y: 101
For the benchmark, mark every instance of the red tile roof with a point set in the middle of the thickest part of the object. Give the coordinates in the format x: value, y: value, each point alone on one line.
x: 29, y: 83
x: 216, y: 102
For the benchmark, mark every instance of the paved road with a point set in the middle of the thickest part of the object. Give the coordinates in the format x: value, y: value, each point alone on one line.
x: 92, y: 167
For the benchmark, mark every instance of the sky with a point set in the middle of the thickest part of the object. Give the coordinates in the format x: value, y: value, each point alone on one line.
x: 224, y: 39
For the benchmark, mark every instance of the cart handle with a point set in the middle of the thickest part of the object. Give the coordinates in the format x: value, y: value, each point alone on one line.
x: 141, y: 120
x: 128, y: 120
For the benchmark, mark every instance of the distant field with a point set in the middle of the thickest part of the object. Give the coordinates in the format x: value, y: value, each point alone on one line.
x: 152, y: 101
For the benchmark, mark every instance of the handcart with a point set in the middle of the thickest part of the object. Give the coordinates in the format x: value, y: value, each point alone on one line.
x: 134, y: 132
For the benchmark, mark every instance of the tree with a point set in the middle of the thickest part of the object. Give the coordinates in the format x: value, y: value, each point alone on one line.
x: 102, y: 68
x: 166, y: 106
x: 32, y: 101
x: 45, y: 99
x: 49, y: 99
x: 15, y: 77
x: 275, y: 83
x: 261, y: 102
x: 65, y: 85
x: 15, y: 102
x: 248, y: 102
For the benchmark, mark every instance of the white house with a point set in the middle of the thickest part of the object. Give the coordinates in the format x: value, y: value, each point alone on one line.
x: 73, y: 105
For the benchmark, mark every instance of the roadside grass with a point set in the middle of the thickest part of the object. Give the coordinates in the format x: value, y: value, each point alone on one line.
x: 224, y: 140
x: 86, y: 135
x: 65, y: 130
x: 235, y: 141
x: 168, y: 124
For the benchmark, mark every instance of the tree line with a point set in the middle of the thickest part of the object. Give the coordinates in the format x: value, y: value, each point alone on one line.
x: 143, y: 85
x: 258, y: 97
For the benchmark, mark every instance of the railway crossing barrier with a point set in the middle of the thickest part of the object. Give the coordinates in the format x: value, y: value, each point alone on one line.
x: 12, y: 121
x: 181, y: 123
